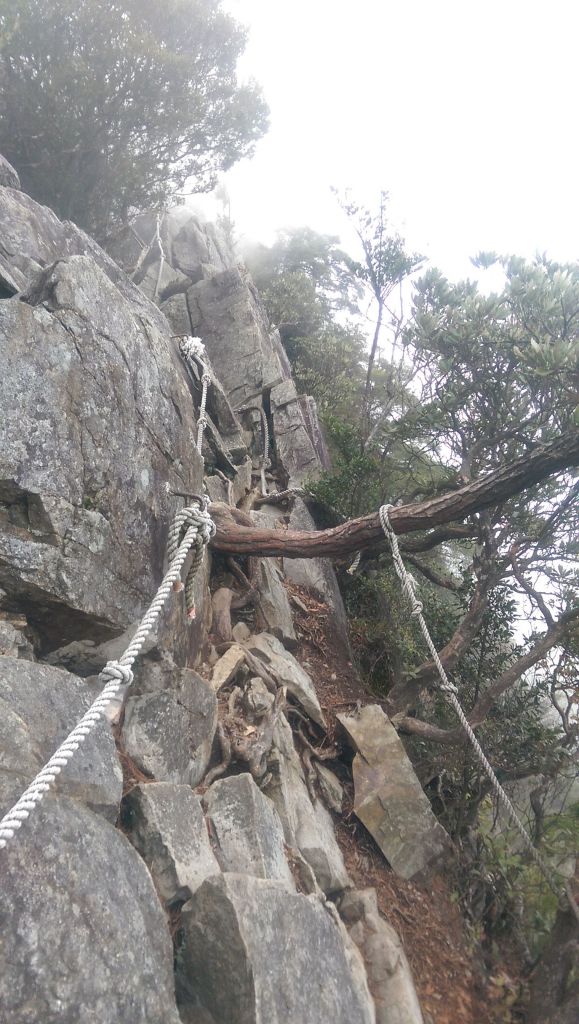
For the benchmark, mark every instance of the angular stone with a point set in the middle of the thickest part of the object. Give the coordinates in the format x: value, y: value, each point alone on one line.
x: 388, y: 798
x: 82, y: 933
x: 95, y: 432
x: 246, y: 829
x: 273, y: 609
x: 168, y: 829
x: 307, y: 826
x: 13, y: 642
x: 39, y: 706
x: 241, y: 632
x: 318, y: 575
x: 156, y: 736
x: 255, y: 954
x: 8, y: 176
x: 198, y: 698
x: 287, y: 672
x: 228, y: 665
x: 330, y: 787
x: 389, y: 975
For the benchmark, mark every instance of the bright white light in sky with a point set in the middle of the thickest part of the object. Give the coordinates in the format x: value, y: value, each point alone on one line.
x: 465, y: 111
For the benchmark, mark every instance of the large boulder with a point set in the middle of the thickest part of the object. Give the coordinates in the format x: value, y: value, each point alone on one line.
x: 169, y: 733
x: 39, y: 706
x: 255, y: 954
x: 246, y: 830
x: 388, y: 797
x: 167, y: 827
x: 94, y: 438
x: 83, y: 936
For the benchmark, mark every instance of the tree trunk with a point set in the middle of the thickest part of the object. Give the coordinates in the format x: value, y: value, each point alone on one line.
x: 235, y: 536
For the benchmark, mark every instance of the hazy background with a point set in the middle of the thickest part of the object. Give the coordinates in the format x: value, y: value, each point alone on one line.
x: 466, y: 112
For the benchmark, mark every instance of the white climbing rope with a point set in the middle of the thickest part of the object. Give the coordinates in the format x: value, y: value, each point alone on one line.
x: 265, y: 462
x: 409, y: 587
x: 193, y: 348
x: 198, y: 530
x: 192, y: 528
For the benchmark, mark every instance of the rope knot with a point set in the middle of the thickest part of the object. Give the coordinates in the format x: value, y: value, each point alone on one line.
x: 113, y: 670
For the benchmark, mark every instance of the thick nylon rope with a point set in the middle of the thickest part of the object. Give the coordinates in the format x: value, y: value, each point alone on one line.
x: 265, y: 463
x: 409, y: 587
x: 191, y: 528
x: 116, y: 675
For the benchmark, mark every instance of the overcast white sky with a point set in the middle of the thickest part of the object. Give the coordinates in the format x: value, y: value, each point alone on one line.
x: 465, y: 111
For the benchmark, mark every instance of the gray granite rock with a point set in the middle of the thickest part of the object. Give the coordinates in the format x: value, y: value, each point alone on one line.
x: 387, y: 968
x: 287, y: 672
x: 273, y: 608
x: 8, y: 176
x: 13, y: 642
x: 247, y: 832
x: 39, y: 706
x: 167, y: 827
x: 255, y: 954
x: 83, y: 936
x: 388, y: 798
x: 156, y: 736
x: 96, y: 425
x: 307, y: 826
x: 318, y: 575
x: 330, y: 787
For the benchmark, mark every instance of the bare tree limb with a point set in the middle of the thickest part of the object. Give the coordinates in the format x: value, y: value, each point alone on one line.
x: 237, y: 536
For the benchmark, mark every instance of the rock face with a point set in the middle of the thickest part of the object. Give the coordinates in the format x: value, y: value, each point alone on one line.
x: 82, y: 933
x: 96, y: 426
x: 388, y: 972
x: 168, y: 829
x: 8, y: 175
x: 39, y: 705
x: 247, y: 831
x: 388, y: 797
x: 288, y: 672
x: 255, y: 954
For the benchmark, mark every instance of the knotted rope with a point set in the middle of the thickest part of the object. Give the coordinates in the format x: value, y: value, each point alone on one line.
x: 193, y: 528
x: 409, y: 587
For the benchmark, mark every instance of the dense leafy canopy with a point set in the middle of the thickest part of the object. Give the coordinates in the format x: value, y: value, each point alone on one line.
x: 108, y: 106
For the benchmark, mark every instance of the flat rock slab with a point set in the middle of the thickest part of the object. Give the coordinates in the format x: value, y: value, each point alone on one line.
x: 169, y: 831
x: 287, y: 672
x: 246, y: 829
x: 388, y: 798
x: 83, y: 936
x: 255, y: 954
x: 39, y: 706
x: 226, y: 668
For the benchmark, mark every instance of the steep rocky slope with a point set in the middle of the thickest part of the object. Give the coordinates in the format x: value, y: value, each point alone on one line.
x: 186, y: 868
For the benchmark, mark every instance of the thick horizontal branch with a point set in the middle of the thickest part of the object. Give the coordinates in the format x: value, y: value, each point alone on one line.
x: 236, y: 536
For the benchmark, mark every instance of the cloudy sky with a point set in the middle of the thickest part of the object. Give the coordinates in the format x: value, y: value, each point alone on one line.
x: 465, y: 111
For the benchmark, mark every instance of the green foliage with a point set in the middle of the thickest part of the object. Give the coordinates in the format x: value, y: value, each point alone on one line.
x: 109, y: 107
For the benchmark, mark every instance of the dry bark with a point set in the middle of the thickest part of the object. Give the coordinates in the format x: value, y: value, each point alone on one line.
x: 236, y: 535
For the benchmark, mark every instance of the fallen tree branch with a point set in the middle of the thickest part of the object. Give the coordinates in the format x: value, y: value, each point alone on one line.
x: 236, y: 536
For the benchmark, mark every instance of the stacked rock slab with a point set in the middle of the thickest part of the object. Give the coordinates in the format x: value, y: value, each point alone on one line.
x: 388, y: 798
